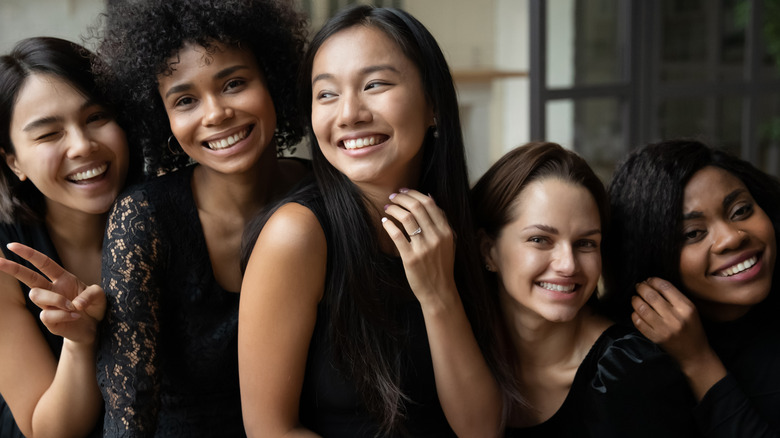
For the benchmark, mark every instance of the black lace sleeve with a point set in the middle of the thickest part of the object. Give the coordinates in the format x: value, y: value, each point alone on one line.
x: 129, y: 372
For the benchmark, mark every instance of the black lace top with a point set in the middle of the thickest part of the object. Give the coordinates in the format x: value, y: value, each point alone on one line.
x: 167, y: 359
x: 625, y: 387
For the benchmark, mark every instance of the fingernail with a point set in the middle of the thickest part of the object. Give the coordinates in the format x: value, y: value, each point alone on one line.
x: 393, y: 195
x: 384, y: 219
x: 70, y: 306
x: 75, y: 315
x: 403, y: 190
x: 386, y: 205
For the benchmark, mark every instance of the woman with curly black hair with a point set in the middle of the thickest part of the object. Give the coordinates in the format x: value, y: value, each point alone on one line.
x: 692, y: 265
x: 209, y: 82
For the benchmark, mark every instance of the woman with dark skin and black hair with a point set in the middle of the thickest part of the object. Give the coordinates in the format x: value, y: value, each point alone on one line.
x: 210, y: 82
x: 694, y: 258
x: 543, y: 216
x: 65, y: 160
x: 357, y: 326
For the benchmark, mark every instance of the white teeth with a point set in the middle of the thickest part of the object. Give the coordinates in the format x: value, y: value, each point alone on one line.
x: 229, y: 141
x: 91, y: 173
x: 357, y: 143
x: 557, y: 287
x: 739, y: 267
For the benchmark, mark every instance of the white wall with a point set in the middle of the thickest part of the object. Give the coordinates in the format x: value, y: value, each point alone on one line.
x: 67, y: 19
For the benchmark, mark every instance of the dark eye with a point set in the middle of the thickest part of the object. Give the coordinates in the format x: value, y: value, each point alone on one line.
x: 742, y: 211
x: 47, y: 136
x: 233, y: 84
x: 184, y: 101
x: 375, y: 84
x: 693, y: 235
x: 322, y: 95
x: 537, y: 239
x: 587, y: 244
x: 98, y: 116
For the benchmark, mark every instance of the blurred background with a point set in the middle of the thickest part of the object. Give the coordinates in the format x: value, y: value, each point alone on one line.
x: 598, y: 76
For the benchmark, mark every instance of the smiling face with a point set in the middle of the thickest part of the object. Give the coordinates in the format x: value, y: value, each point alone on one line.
x: 369, y: 110
x: 218, y: 106
x: 548, y: 257
x: 728, y: 253
x: 67, y: 145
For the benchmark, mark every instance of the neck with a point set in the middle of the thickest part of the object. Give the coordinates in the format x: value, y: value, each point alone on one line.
x: 542, y: 343
x: 71, y: 229
x: 237, y: 194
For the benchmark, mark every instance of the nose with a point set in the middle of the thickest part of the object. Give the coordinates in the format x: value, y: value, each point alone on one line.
x: 564, y: 261
x: 81, y: 143
x: 215, y: 111
x: 352, y: 110
x: 726, y: 237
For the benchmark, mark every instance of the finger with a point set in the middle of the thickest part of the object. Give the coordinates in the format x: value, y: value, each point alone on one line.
x: 645, y: 312
x: 407, y: 220
x: 397, y: 236
x: 422, y: 207
x: 46, y: 299
x: 654, y: 298
x: 669, y: 292
x: 642, y: 325
x: 25, y: 275
x: 93, y: 298
x: 39, y: 260
x: 52, y: 317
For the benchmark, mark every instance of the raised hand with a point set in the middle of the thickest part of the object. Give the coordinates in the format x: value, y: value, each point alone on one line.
x: 70, y: 308
x: 426, y: 244
x: 668, y: 318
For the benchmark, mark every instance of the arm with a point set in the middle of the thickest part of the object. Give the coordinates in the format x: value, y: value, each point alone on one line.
x: 468, y: 392
x: 128, y: 362
x: 49, y: 398
x: 282, y: 286
x: 667, y: 317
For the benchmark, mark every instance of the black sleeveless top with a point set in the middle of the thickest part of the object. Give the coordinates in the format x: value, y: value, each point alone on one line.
x: 330, y: 403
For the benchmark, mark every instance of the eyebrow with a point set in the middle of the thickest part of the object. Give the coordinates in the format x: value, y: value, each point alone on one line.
x: 553, y: 230
x: 727, y: 200
x: 363, y: 72
x: 43, y: 121
x: 222, y: 74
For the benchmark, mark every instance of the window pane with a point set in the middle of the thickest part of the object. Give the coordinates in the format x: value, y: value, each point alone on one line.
x: 769, y: 134
x: 583, y: 43
x: 714, y: 120
x: 592, y: 127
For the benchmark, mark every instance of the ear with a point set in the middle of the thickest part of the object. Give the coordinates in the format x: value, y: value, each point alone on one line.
x: 486, y: 246
x: 10, y: 160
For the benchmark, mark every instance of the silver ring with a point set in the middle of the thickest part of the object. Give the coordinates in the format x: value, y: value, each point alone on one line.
x: 416, y: 232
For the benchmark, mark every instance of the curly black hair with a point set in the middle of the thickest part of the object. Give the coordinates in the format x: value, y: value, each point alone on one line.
x: 138, y: 38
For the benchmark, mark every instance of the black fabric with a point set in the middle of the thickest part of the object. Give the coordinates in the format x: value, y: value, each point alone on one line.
x: 35, y: 236
x: 167, y: 359
x: 330, y: 403
x: 625, y: 387
x: 746, y: 403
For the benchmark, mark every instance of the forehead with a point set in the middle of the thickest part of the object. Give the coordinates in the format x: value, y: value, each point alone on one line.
x: 555, y: 200
x: 707, y: 188
x: 45, y: 95
x: 357, y: 47
x: 193, y: 59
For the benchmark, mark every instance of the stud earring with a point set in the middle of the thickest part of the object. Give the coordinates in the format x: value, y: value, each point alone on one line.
x: 435, y: 128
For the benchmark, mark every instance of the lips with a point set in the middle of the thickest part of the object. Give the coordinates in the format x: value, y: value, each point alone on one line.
x: 736, y: 268
x: 565, y: 288
x: 361, y: 142
x: 83, y: 177
x: 226, y: 142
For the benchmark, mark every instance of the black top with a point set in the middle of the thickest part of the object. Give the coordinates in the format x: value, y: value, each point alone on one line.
x: 167, y: 359
x: 625, y: 387
x: 745, y: 403
x: 34, y: 235
x: 330, y: 403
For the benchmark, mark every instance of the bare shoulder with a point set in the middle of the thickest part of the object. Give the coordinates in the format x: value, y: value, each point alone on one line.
x: 294, y: 226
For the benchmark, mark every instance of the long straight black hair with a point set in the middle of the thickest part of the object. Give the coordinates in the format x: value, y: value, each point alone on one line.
x: 362, y: 330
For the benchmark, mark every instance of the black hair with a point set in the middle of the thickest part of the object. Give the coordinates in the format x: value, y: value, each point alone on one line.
x: 360, y: 330
x: 139, y: 38
x: 21, y: 200
x: 646, y: 195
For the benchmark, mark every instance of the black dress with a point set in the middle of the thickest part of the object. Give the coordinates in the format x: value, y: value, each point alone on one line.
x: 167, y: 358
x: 745, y: 403
x: 35, y: 236
x: 625, y: 387
x: 330, y: 403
